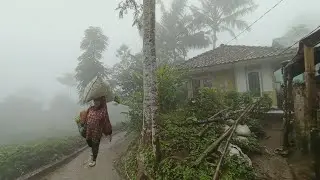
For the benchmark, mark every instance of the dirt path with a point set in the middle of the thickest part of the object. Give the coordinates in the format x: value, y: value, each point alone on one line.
x: 78, y: 168
x: 271, y: 166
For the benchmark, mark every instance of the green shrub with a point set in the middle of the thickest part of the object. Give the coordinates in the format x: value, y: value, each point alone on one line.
x: 235, y: 168
x: 17, y: 160
x: 181, y: 144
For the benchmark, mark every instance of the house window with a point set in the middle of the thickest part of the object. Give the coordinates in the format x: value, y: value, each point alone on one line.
x: 254, y: 83
x: 207, y: 83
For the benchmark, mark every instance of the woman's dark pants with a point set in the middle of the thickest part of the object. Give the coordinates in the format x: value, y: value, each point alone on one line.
x: 94, y: 147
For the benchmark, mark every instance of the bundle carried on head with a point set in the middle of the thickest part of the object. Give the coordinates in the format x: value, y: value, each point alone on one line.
x: 95, y: 89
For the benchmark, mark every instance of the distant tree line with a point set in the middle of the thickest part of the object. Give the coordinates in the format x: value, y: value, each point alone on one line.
x: 24, y: 118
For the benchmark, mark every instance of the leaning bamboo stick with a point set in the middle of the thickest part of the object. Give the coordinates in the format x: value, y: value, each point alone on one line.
x: 206, y: 126
x: 217, y: 142
x: 212, y: 147
x: 248, y: 109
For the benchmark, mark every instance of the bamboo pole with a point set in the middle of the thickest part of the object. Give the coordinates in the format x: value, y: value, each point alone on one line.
x: 310, y: 110
x: 206, y: 126
x: 285, y: 109
x: 309, y: 75
x: 248, y: 109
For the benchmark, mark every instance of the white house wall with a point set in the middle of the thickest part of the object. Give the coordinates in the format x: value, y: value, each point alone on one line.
x: 240, y: 78
x: 266, y: 76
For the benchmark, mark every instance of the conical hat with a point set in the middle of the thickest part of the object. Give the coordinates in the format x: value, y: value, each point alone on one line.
x: 95, y: 89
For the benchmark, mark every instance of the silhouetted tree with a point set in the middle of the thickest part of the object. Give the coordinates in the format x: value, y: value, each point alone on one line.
x: 216, y: 16
x: 68, y: 79
x: 176, y: 34
x: 93, y: 45
x: 294, y: 34
x: 128, y: 73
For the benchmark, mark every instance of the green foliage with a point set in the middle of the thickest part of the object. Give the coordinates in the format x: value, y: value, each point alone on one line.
x: 180, y: 142
x: 171, y: 88
x: 256, y: 127
x: 209, y: 101
x: 117, y: 99
x: 172, y: 93
x: 263, y: 106
x: 135, y: 103
x: 93, y: 45
x: 17, y: 160
x: 236, y: 168
x: 128, y: 73
x: 249, y: 147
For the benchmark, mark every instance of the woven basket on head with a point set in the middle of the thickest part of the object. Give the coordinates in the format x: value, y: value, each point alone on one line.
x: 95, y: 89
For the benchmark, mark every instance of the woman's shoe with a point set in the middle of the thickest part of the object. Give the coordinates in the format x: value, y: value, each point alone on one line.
x: 92, y: 163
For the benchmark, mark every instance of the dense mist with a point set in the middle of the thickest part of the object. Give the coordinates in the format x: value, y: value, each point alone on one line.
x: 25, y: 118
x: 40, y: 41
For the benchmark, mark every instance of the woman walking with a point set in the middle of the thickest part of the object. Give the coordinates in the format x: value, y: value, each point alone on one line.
x: 96, y: 120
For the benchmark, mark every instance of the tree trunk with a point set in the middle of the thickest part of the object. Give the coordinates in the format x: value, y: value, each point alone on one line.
x: 214, y: 40
x: 149, y: 135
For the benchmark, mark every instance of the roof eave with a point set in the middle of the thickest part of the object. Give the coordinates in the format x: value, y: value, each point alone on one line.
x: 278, y: 58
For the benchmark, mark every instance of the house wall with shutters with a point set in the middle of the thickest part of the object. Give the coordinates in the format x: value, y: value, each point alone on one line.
x: 218, y: 79
x: 266, y: 79
x: 224, y: 80
x: 236, y: 78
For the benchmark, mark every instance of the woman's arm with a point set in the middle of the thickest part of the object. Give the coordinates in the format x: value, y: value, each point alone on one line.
x: 83, y: 116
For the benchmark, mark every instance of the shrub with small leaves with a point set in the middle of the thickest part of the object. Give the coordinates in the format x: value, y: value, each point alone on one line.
x: 181, y: 143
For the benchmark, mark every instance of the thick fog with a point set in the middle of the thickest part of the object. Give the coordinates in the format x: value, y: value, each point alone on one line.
x: 40, y: 41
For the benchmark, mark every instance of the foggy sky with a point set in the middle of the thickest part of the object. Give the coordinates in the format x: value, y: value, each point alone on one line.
x: 39, y: 39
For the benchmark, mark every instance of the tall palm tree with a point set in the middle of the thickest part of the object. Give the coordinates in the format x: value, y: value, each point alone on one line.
x: 216, y: 16
x: 176, y: 33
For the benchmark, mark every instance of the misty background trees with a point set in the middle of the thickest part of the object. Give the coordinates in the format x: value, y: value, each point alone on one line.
x: 93, y: 44
x: 181, y: 27
x: 292, y: 35
x: 25, y: 118
x: 176, y: 34
x: 216, y: 16
x: 195, y: 30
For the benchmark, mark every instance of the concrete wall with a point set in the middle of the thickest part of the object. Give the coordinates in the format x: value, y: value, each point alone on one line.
x: 299, y: 122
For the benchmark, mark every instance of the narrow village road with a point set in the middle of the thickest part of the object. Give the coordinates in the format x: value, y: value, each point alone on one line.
x: 78, y: 168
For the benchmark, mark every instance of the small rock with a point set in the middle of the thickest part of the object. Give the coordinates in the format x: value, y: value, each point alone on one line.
x: 242, y: 139
x: 235, y: 150
x: 243, y: 130
x: 230, y: 122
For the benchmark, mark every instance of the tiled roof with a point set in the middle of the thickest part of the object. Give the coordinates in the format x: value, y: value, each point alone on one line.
x: 225, y: 54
